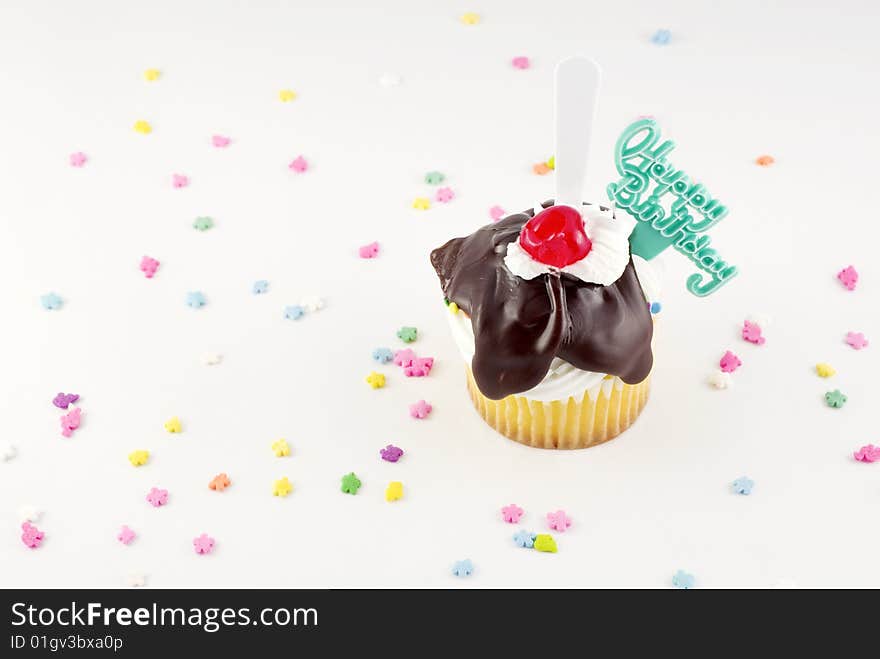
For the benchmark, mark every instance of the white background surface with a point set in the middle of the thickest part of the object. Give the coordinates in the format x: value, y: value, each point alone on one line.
x: 736, y: 82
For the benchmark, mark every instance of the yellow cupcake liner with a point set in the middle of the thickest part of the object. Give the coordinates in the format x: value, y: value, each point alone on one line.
x: 602, y: 413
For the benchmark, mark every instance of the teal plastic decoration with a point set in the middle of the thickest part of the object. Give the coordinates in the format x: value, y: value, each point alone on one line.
x: 648, y: 177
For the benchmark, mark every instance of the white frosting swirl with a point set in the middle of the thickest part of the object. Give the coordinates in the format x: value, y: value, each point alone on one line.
x: 606, y: 260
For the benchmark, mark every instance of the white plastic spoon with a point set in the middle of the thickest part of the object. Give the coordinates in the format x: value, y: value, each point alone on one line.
x: 577, y: 93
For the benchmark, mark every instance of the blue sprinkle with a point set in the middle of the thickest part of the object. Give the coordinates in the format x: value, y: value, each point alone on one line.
x: 524, y: 539
x: 661, y: 37
x: 196, y: 299
x: 743, y: 485
x: 656, y: 307
x: 294, y: 312
x: 383, y: 355
x: 463, y: 568
x: 51, y: 301
x: 260, y: 287
x: 683, y: 580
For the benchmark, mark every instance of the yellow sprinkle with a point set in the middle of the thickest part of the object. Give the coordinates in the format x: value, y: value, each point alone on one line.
x: 825, y: 370
x: 421, y: 203
x: 286, y: 95
x: 143, y: 127
x: 470, y: 18
x: 551, y: 163
x: 282, y: 487
x: 280, y: 448
x: 138, y: 458
x: 173, y: 425
x: 376, y: 380
x: 453, y: 308
x: 394, y: 491
x: 152, y: 75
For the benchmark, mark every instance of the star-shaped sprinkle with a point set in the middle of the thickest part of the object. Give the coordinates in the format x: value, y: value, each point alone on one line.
x: 835, y: 398
x: 220, y: 141
x: 444, y: 195
x: 294, y: 312
x: 421, y: 203
x: 196, y: 299
x: 558, y: 521
x: 203, y: 544
x: 390, y: 80
x: 211, y: 358
x: 751, y: 332
x: 203, y: 223
x: 173, y: 425
x: 683, y: 580
x: 136, y: 580
x: 545, y: 542
x: 729, y: 362
x: 541, y: 168
x: 520, y: 62
x: 149, y: 266
x: 394, y: 491
x: 62, y: 400
x: 404, y: 357
x: 219, y: 483
x: 298, y: 165
x: 78, y: 159
x: 470, y: 18
x: 152, y: 75
x: 856, y: 340
x: 179, y: 181
x: 71, y: 421
x: 376, y: 380
x: 407, y: 334
x: 496, y: 213
x: 31, y: 536
x: 282, y: 487
x: 720, y: 379
x: 280, y: 448
x: 157, y: 497
x: 260, y: 286
x: 524, y: 539
x: 126, y: 536
x: 419, y: 367
x: 849, y: 277
x: 511, y: 513
x: 661, y: 37
x: 350, y: 483
x: 29, y: 513
x: 313, y: 303
x: 743, y: 485
x: 825, y: 370
x: 463, y: 568
x: 420, y: 410
x: 383, y: 355
x: 51, y: 301
x: 434, y: 178
x: 7, y: 451
x: 391, y: 453
x: 868, y: 453
x: 369, y: 251
x: 138, y: 458
x: 765, y: 160
x: 286, y: 95
x: 143, y: 127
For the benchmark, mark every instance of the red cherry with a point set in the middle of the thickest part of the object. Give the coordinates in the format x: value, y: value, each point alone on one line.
x: 556, y: 237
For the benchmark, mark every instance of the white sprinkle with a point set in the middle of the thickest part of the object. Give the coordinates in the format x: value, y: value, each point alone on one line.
x: 211, y: 358
x: 136, y: 580
x: 720, y: 380
x: 389, y: 80
x: 7, y: 451
x: 28, y: 513
x: 313, y: 303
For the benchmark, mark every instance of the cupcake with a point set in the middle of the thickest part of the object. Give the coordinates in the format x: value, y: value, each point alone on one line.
x: 550, y: 316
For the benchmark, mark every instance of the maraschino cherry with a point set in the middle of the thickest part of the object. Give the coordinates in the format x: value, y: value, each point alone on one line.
x: 556, y: 237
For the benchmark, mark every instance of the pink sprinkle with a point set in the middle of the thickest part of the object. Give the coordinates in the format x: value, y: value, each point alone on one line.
x: 31, y: 536
x: 78, y: 159
x: 299, y: 165
x: 179, y: 180
x: 404, y: 357
x: 848, y: 277
x: 869, y: 453
x: 444, y: 195
x: 752, y: 333
x: 856, y: 340
x: 521, y: 62
x: 496, y: 213
x: 370, y: 251
x: 558, y: 521
x: 70, y: 421
x: 729, y: 362
x: 157, y: 497
x: 125, y: 535
x: 511, y: 513
x: 420, y: 410
x: 204, y: 544
x: 220, y: 141
x: 419, y: 367
x: 149, y: 266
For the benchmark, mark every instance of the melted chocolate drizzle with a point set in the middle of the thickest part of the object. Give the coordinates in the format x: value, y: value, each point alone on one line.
x: 520, y: 325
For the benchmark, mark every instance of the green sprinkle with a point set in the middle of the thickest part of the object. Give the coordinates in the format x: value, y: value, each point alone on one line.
x: 407, y: 334
x: 434, y: 178
x: 350, y: 483
x: 835, y: 398
x: 203, y: 223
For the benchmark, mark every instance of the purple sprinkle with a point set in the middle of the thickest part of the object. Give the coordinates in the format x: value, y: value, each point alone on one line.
x: 63, y: 400
x: 391, y: 453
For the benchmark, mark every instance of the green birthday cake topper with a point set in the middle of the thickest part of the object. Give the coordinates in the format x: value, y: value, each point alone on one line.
x: 648, y: 177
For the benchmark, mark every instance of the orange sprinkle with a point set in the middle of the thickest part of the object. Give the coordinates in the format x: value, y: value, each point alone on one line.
x: 541, y: 168
x: 765, y: 161
x: 220, y: 482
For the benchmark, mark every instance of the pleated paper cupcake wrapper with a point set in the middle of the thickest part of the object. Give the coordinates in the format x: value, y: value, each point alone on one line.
x: 602, y: 413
